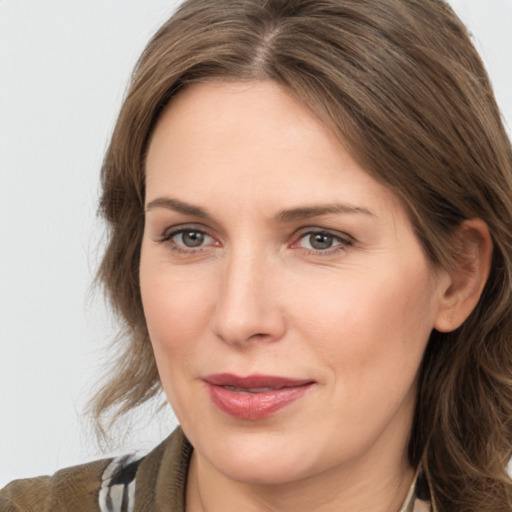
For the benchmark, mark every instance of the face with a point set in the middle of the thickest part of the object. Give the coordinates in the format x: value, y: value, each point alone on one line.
x: 287, y: 298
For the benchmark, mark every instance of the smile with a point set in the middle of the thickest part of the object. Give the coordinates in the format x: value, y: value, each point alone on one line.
x: 250, y: 390
x: 254, y: 397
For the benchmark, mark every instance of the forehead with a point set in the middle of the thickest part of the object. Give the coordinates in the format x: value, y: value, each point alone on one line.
x: 258, y: 110
x: 254, y: 142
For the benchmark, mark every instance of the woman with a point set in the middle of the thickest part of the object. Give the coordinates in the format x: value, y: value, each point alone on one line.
x: 310, y: 212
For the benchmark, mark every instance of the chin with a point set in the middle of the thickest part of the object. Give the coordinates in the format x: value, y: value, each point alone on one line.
x: 261, y: 469
x: 264, y: 458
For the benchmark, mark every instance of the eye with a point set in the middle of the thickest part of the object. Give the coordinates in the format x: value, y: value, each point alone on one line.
x: 322, y: 241
x: 188, y: 239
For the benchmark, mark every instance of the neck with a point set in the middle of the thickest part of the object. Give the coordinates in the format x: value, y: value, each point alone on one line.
x: 361, y: 487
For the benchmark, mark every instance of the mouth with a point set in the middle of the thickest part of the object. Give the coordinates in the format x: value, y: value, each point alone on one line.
x: 254, y: 397
x: 251, y: 390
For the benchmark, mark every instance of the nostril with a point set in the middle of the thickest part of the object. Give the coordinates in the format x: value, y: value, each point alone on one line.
x: 249, y: 328
x: 247, y: 310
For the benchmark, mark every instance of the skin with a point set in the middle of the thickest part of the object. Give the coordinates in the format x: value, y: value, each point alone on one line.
x: 255, y: 296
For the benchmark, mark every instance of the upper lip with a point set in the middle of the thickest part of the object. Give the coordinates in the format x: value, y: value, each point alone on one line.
x: 254, y: 381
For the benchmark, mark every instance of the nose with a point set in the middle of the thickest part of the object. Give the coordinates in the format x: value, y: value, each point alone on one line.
x: 248, y: 308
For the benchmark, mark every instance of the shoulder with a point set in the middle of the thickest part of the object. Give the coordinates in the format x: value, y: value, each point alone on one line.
x: 107, y: 485
x: 75, y: 488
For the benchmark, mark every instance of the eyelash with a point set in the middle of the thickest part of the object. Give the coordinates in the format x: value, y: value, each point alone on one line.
x: 167, y: 238
x: 342, y: 241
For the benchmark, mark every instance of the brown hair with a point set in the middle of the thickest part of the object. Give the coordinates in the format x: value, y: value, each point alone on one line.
x: 402, y: 85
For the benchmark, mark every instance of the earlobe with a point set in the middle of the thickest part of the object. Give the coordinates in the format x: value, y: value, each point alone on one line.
x: 464, y: 281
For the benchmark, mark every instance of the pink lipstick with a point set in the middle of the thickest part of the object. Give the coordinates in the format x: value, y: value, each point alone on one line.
x: 256, y: 396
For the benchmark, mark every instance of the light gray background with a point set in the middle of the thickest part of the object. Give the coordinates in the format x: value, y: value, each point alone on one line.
x: 64, y: 66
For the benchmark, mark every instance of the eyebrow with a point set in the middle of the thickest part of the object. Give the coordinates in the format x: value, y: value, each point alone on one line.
x: 178, y: 206
x: 306, y: 212
x: 282, y: 217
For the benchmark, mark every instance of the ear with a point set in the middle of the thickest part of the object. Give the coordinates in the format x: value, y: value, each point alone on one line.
x: 462, y: 284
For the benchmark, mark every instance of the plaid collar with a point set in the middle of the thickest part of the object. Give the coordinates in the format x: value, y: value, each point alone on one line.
x: 418, y: 497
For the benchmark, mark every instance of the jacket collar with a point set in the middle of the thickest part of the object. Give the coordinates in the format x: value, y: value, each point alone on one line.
x: 161, y: 481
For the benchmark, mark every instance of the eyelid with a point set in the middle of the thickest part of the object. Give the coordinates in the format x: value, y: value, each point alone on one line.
x: 172, y: 231
x: 345, y: 239
x: 309, y: 230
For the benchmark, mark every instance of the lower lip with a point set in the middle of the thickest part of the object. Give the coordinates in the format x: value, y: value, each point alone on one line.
x: 255, y: 406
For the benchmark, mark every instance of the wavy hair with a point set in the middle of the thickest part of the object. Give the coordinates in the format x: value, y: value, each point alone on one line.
x: 402, y: 85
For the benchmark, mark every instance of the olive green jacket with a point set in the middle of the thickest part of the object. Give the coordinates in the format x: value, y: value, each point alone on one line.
x: 108, y: 485
x: 154, y: 483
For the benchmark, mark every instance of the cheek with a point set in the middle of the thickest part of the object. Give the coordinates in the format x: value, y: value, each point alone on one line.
x: 371, y: 337
x: 176, y: 317
x: 177, y: 311
x: 372, y: 330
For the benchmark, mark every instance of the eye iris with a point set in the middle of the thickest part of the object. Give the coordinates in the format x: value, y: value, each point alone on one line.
x: 320, y: 241
x: 192, y: 238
